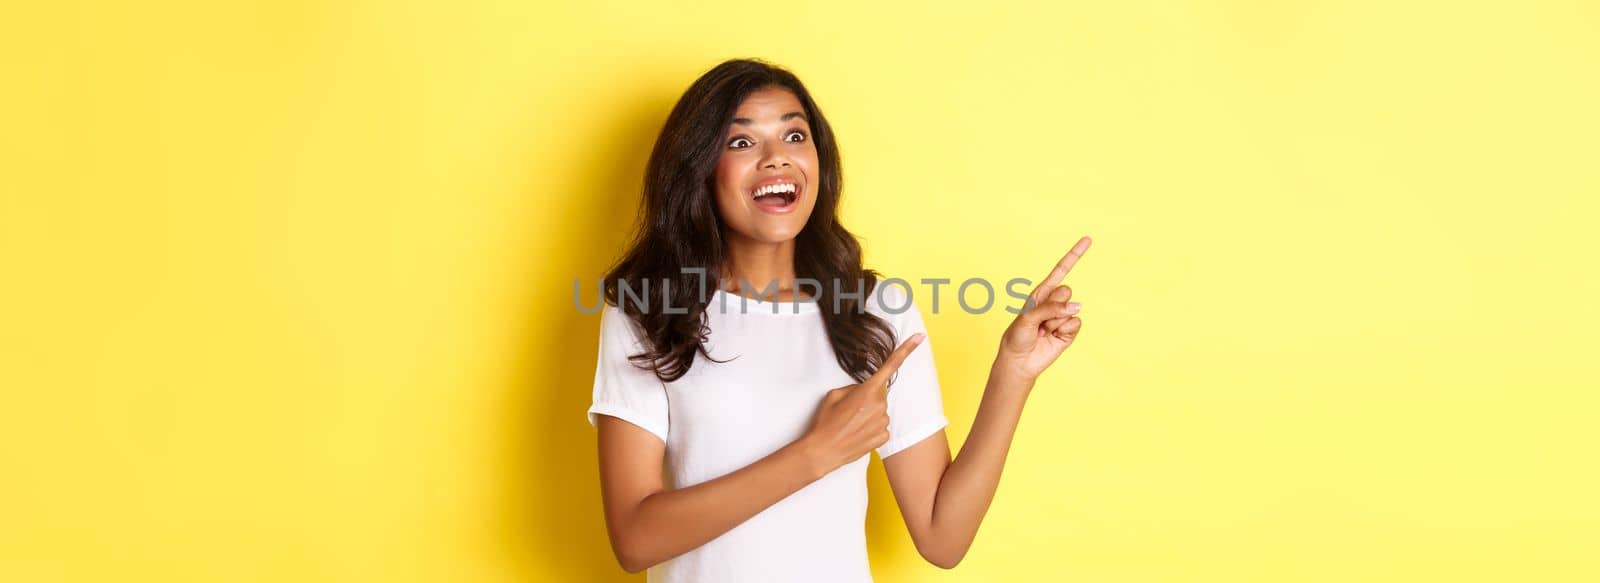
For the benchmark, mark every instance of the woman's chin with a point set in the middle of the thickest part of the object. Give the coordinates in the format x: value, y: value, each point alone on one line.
x: 778, y: 237
x: 769, y: 231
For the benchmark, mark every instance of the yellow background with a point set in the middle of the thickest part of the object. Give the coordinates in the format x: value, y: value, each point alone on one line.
x: 287, y: 285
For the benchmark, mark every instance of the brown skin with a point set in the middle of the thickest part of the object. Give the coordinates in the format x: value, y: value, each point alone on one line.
x: 760, y: 246
x: 943, y: 501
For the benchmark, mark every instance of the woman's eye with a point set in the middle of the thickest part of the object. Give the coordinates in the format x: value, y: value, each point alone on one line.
x: 787, y: 138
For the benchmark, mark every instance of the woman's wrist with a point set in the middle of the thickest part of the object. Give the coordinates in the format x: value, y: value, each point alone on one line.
x: 1003, y: 376
x: 810, y: 456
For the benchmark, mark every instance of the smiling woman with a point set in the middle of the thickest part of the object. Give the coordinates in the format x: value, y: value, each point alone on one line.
x: 741, y: 126
x: 765, y: 420
x: 773, y: 177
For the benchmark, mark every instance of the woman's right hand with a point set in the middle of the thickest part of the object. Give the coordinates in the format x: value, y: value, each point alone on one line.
x: 854, y: 419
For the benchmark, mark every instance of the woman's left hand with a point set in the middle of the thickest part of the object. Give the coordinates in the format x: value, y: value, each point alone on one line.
x: 1039, y: 335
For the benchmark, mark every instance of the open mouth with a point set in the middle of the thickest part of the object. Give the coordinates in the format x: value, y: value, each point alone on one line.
x: 776, y: 196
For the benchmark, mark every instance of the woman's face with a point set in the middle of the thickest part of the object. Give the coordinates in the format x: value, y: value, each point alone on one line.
x: 768, y: 168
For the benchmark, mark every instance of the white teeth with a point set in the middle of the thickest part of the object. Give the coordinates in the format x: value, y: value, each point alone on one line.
x: 775, y: 188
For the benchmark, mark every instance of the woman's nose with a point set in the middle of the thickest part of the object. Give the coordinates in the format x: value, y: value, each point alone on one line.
x: 774, y: 158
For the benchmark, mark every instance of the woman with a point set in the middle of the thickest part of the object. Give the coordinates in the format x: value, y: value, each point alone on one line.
x: 763, y: 414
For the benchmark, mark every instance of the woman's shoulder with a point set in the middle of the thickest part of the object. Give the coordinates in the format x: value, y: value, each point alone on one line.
x: 615, y: 322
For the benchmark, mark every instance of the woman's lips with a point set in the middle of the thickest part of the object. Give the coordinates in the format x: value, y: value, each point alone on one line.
x: 777, y: 197
x: 779, y: 204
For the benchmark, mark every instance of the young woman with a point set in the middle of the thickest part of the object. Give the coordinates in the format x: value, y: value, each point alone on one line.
x: 762, y: 400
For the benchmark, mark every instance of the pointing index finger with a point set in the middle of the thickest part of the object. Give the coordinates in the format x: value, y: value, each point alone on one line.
x: 1060, y: 272
x: 896, y: 358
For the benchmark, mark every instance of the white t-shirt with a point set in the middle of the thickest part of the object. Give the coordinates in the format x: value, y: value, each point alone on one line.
x: 719, y: 418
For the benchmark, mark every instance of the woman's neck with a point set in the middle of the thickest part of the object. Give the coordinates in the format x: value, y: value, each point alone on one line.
x: 752, y: 268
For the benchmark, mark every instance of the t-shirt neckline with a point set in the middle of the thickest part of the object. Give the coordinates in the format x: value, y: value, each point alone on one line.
x: 729, y: 302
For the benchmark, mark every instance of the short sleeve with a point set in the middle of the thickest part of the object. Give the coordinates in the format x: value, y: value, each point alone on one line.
x: 621, y: 389
x: 916, y: 405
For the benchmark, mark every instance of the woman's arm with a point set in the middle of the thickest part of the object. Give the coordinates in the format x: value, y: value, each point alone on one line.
x: 649, y: 524
x: 943, y: 501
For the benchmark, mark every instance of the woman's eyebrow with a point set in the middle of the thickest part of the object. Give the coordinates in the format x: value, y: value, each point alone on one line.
x: 744, y: 121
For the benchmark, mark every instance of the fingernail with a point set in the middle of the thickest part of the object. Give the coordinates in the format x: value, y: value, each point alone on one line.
x: 1072, y: 308
x: 917, y: 337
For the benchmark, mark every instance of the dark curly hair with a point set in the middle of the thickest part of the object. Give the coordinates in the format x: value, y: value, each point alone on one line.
x: 679, y: 228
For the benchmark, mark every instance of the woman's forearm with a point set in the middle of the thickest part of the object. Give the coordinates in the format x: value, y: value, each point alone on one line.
x: 669, y: 523
x: 970, y: 482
